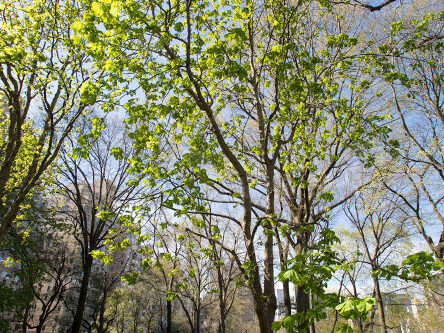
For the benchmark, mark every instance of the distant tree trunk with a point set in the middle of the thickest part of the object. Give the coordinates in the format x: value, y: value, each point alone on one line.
x: 287, y: 299
x: 222, y: 305
x: 101, y: 328
x: 169, y: 310
x: 197, y: 319
x: 77, y: 323
x: 302, y: 297
x: 25, y: 319
x: 380, y: 303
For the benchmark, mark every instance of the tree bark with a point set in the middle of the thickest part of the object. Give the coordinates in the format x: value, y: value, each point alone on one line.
x: 302, y: 305
x: 302, y: 297
x: 25, y: 319
x: 380, y: 303
x: 287, y: 299
x: 262, y: 316
x: 222, y: 309
x: 197, y: 319
x: 169, y: 311
x: 77, y: 323
x: 439, y: 248
x: 101, y: 328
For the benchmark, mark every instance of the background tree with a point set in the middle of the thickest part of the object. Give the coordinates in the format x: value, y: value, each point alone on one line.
x: 138, y: 307
x: 97, y: 191
x: 38, y: 265
x: 382, y: 228
x: 414, y: 73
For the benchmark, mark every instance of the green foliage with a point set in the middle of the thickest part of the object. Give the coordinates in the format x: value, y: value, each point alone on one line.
x: 355, y: 308
x: 28, y: 148
x: 416, y: 267
x: 222, y: 99
x: 312, y: 270
x: 21, y: 257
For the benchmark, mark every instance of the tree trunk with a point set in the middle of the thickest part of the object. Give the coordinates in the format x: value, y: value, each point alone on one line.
x: 313, y: 327
x: 77, y: 323
x: 222, y: 310
x: 169, y: 310
x: 269, y: 292
x: 287, y: 298
x: 101, y: 327
x: 380, y: 303
x: 439, y: 248
x: 197, y: 320
x: 302, y: 297
x: 302, y: 305
x: 264, y: 324
x: 25, y: 319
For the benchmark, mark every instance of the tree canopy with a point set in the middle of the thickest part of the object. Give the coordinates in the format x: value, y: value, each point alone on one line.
x: 252, y: 129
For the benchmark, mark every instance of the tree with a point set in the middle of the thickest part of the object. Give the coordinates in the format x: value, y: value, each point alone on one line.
x: 136, y: 308
x: 45, y: 86
x: 50, y: 291
x: 382, y: 227
x: 414, y: 74
x: 97, y: 191
x: 41, y: 265
x: 227, y: 280
x: 245, y: 99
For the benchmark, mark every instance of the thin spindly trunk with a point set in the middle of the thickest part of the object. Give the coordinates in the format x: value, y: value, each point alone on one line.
x: 169, y: 310
x: 77, y: 323
x: 101, y: 328
x: 380, y: 303
x: 222, y: 304
x: 287, y: 299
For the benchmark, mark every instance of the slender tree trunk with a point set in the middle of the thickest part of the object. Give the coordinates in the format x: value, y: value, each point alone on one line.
x: 77, y: 323
x: 287, y: 298
x: 380, y: 303
x: 302, y: 305
x: 302, y: 297
x: 197, y: 319
x: 25, y: 319
x: 222, y: 310
x: 269, y: 292
x: 169, y: 310
x: 313, y: 327
x: 102, y: 312
x: 283, y: 254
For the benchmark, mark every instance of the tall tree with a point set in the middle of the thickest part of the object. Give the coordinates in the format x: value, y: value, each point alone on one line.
x: 412, y: 65
x: 245, y: 95
x: 97, y: 190
x: 44, y: 88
